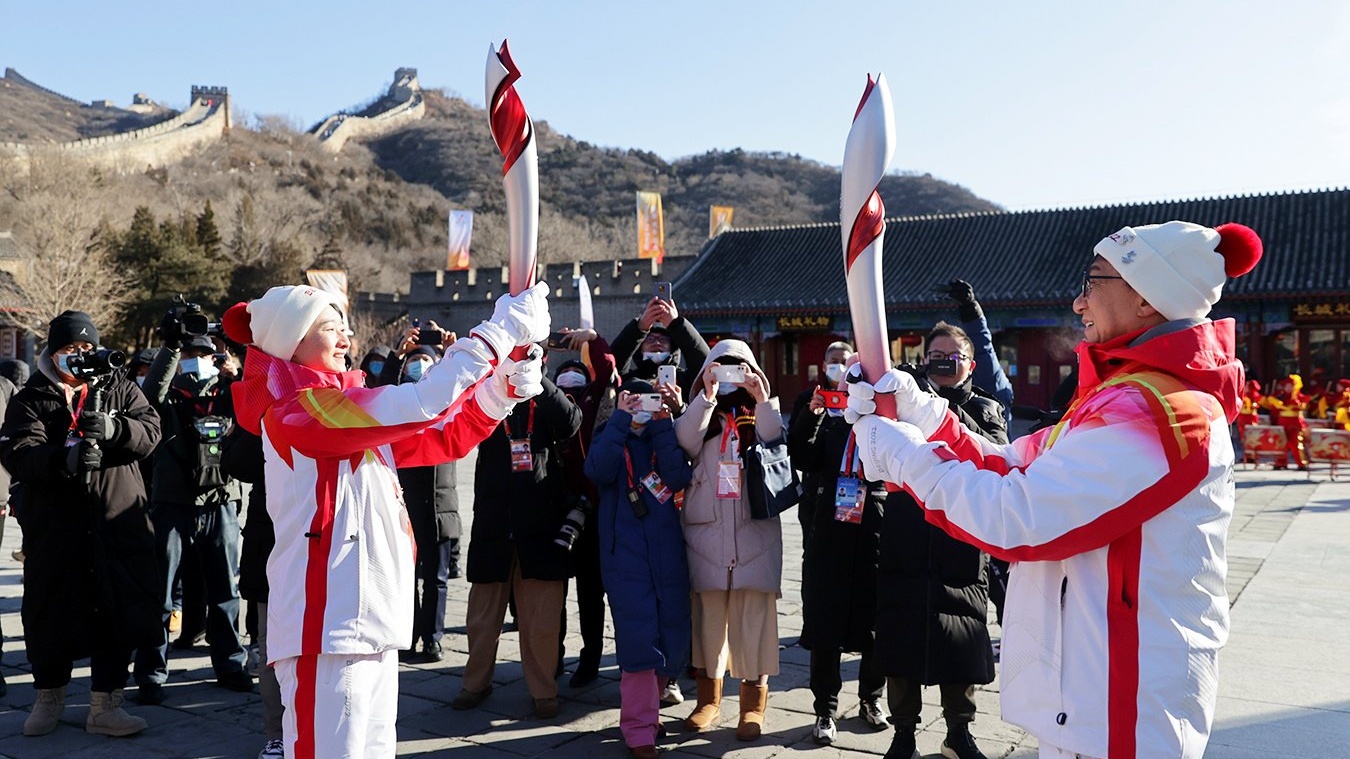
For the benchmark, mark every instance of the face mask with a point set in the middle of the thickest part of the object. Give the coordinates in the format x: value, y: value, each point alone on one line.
x: 834, y: 373
x: 727, y: 388
x: 63, y: 362
x: 376, y: 367
x: 641, y: 417
x: 140, y: 381
x: 415, y: 369
x: 658, y: 357
x: 571, y: 380
x: 204, y: 368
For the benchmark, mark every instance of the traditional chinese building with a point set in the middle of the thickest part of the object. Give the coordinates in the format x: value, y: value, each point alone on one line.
x: 782, y: 288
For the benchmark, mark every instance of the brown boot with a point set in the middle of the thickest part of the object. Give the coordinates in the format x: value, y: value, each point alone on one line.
x: 107, y: 717
x: 47, y: 711
x: 754, y: 701
x: 709, y: 706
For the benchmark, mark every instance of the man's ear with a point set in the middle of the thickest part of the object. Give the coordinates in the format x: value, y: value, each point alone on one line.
x: 1146, y: 311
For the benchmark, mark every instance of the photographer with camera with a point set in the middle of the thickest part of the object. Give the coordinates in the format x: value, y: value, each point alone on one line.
x: 72, y: 439
x: 432, y: 501
x: 932, y: 589
x: 589, y: 383
x: 195, y: 505
x: 518, y: 509
x: 639, y: 467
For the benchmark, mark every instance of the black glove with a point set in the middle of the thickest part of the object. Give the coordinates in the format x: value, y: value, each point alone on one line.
x: 171, y: 327
x: 960, y: 291
x: 96, y: 425
x: 83, y: 457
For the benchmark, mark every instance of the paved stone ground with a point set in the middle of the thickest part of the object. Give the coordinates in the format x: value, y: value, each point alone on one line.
x: 1283, y: 681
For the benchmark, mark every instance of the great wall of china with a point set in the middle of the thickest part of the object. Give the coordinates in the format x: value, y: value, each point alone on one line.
x: 207, y: 120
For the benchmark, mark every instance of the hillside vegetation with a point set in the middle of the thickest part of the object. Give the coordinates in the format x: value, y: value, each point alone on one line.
x: 282, y: 204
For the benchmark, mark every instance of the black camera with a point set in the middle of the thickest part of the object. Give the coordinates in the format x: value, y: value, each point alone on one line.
x: 95, y: 363
x: 942, y: 368
x: 429, y: 336
x: 186, y: 320
x: 573, y: 523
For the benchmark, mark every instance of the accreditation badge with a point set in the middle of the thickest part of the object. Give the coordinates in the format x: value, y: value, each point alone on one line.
x: 848, y: 500
x: 522, y: 458
x: 652, y: 482
x: 729, y: 479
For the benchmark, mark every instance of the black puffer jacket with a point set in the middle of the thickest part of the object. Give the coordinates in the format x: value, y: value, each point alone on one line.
x: 933, y: 597
x: 91, y: 566
x: 522, y: 511
x: 839, y: 570
x: 242, y: 458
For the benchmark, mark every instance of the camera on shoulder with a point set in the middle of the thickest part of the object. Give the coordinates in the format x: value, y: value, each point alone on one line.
x: 185, y: 319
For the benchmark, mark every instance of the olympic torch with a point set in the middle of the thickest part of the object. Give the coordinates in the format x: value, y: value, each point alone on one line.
x: 513, y: 131
x: 871, y: 143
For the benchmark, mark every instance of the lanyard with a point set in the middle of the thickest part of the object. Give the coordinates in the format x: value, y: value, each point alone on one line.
x: 529, y: 424
x: 628, y: 462
x: 79, y: 409
x: 852, y: 461
x: 728, y: 430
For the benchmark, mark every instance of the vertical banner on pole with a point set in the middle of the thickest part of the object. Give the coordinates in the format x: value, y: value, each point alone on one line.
x: 651, y: 226
x: 719, y: 220
x: 460, y: 236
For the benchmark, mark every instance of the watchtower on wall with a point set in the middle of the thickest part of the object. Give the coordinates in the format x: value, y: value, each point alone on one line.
x: 405, y: 84
x: 213, y: 95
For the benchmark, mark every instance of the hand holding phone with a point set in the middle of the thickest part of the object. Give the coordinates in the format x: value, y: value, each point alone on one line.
x: 650, y: 402
x: 835, y: 399
x: 430, y: 336
x: 557, y: 341
x: 665, y: 375
x: 663, y: 292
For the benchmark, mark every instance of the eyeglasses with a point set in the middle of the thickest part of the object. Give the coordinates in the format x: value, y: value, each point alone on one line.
x: 940, y: 356
x: 1088, y: 278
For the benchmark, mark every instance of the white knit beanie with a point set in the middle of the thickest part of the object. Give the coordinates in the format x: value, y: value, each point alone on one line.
x: 281, y: 318
x: 1179, y: 267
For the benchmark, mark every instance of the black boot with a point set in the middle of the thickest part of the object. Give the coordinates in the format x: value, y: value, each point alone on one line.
x: 902, y: 745
x: 959, y: 745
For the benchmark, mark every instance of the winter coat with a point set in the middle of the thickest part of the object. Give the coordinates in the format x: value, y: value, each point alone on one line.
x: 933, y: 594
x: 186, y: 471
x: 1117, y: 520
x: 839, y: 569
x: 342, y: 569
x: 242, y: 458
x: 7, y: 391
x: 642, y: 559
x: 520, y: 512
x: 727, y: 549
x: 91, y: 566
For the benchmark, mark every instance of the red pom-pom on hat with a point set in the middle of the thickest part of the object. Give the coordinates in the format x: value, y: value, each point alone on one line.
x: 1240, y: 247
x: 237, y: 324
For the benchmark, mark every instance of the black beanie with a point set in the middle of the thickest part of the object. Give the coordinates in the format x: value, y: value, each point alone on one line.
x: 71, y: 327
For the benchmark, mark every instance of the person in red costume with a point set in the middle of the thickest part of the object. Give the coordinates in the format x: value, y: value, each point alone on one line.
x: 1341, y: 406
x: 341, y: 573
x: 1251, y: 401
x: 1287, y: 405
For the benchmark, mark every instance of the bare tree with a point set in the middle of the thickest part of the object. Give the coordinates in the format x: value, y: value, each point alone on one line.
x: 57, y: 207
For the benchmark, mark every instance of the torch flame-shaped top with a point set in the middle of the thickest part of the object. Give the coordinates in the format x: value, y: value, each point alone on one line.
x: 871, y: 144
x: 512, y: 129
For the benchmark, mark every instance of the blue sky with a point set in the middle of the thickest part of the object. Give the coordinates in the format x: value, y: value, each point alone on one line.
x: 1032, y: 104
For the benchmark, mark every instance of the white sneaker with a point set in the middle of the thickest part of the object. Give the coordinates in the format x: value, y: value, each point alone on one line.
x: 874, y: 715
x: 672, y: 695
x: 254, y: 664
x: 273, y: 750
x: 824, y: 730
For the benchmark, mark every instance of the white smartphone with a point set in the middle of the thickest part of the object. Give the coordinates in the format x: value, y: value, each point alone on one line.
x: 665, y: 375
x: 734, y: 373
x: 650, y: 401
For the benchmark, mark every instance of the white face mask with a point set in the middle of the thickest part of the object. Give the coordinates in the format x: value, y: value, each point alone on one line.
x: 727, y: 388
x: 571, y: 380
x: 641, y: 417
x: 204, y: 368
x: 658, y: 357
x: 414, y: 370
x: 140, y: 381
x: 834, y: 372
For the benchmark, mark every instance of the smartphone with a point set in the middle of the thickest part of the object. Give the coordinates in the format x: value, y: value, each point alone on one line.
x: 665, y: 375
x: 557, y: 340
x: 650, y: 401
x: 663, y: 291
x: 942, y: 368
x: 734, y: 373
x: 428, y: 336
x: 834, y: 399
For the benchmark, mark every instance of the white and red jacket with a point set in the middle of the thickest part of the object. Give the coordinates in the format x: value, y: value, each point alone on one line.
x: 341, y: 574
x: 1117, y: 520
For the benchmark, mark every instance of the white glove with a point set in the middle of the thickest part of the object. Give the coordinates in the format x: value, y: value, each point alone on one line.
x: 884, y: 446
x: 522, y: 379
x: 912, y: 405
x: 516, y: 320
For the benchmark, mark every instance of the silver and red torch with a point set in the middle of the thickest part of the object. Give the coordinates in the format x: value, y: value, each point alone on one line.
x: 871, y: 143
x: 513, y: 131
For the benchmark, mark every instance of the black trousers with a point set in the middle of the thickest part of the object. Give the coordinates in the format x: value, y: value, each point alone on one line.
x: 108, y: 668
x: 905, y: 698
x: 590, y: 599
x: 826, y: 680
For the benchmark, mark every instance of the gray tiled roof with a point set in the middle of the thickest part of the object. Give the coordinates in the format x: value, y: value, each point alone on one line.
x: 1021, y: 259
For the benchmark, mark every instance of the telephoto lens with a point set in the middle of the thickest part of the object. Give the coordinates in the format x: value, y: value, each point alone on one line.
x: 572, y: 525
x: 86, y: 364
